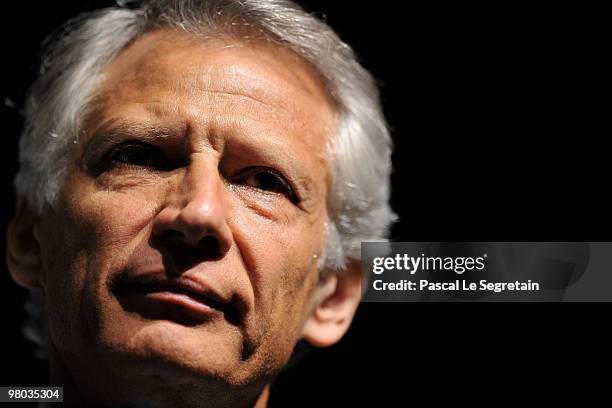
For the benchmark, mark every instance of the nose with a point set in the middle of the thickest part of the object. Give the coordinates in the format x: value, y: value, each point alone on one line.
x: 195, y: 216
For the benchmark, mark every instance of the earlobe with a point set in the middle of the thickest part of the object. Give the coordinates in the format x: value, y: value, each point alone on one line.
x: 338, y: 299
x: 22, y: 247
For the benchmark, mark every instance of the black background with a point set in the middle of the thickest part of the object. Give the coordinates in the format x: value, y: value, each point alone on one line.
x: 498, y: 121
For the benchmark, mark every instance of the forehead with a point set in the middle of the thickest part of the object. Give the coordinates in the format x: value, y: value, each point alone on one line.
x: 208, y: 78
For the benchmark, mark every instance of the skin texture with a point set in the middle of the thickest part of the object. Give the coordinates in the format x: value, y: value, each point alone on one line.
x: 171, y: 179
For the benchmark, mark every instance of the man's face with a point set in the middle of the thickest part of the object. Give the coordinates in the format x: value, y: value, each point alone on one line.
x: 193, y: 213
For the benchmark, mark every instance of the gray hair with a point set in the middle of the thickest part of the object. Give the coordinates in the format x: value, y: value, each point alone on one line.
x: 359, y: 153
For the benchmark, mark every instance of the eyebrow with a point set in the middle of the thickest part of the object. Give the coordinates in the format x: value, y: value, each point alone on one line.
x: 118, y: 129
x: 115, y: 131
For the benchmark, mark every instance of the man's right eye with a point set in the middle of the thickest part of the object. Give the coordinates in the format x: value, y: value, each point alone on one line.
x: 136, y: 154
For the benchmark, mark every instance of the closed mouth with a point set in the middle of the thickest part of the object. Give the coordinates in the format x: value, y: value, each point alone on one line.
x: 180, y: 300
x: 160, y: 288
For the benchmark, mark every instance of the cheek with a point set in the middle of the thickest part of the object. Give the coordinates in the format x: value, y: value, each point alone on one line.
x: 102, y: 228
x: 108, y: 219
x: 90, y: 235
x: 281, y: 259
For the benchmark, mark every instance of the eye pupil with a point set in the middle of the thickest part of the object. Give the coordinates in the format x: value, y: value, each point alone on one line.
x: 137, y: 155
x: 267, y: 181
x: 133, y: 156
x: 270, y: 181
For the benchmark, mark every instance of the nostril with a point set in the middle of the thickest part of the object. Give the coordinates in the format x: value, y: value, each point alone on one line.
x: 208, y: 243
x: 171, y: 239
x: 183, y: 255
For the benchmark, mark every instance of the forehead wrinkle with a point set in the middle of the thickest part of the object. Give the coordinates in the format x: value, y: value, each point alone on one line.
x: 258, y: 95
x: 208, y: 99
x: 236, y: 80
x: 213, y: 117
x: 215, y: 66
x: 166, y: 119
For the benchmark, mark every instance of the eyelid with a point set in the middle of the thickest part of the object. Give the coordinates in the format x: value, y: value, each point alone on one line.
x: 161, y: 160
x: 102, y: 160
x: 99, y: 146
x: 101, y: 141
x: 293, y: 192
x: 128, y: 143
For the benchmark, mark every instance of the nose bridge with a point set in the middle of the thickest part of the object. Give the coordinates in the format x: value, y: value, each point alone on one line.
x: 202, y: 208
x: 200, y: 188
x: 198, y: 208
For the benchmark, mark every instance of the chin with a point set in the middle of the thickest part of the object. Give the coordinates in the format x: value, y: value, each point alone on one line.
x: 167, y: 348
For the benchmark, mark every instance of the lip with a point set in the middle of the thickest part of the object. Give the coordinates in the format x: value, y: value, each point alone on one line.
x: 183, y: 299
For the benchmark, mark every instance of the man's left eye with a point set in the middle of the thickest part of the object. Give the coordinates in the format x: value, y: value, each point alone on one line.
x: 269, y: 180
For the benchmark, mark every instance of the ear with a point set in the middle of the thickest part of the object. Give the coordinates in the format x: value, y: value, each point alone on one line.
x: 22, y: 247
x: 336, y: 300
